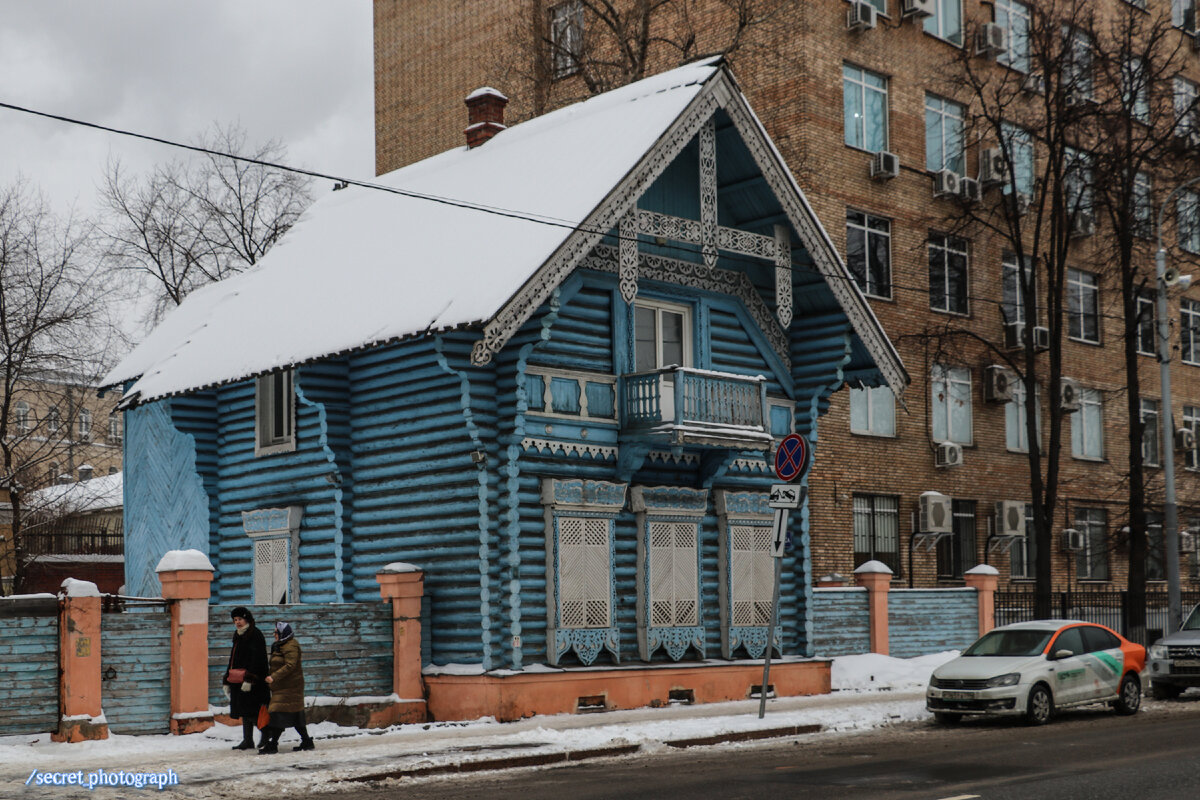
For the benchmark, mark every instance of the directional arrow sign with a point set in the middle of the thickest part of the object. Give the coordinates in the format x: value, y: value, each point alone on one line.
x: 786, y: 495
x: 779, y: 533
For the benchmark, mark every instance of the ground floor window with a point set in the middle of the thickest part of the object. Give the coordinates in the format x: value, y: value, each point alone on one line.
x: 877, y: 530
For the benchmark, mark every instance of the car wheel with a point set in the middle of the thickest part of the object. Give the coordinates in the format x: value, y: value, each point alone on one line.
x: 1040, y: 707
x: 1164, y: 691
x: 943, y: 718
x: 1129, y: 699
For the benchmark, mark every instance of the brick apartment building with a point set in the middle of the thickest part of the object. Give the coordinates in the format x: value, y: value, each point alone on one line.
x: 808, y: 75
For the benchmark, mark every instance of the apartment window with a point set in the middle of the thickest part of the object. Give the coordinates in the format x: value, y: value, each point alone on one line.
x: 53, y: 420
x: 52, y: 473
x: 1091, y: 563
x: 1191, y: 421
x: 275, y: 412
x: 1150, y: 434
x: 1189, y: 331
x: 1083, y: 306
x: 663, y: 336
x: 566, y: 37
x: 1183, y: 14
x: 1077, y: 64
x: 864, y: 100
x: 951, y: 406
x: 1012, y: 290
x: 116, y: 427
x: 1135, y: 89
x: 1077, y: 182
x: 21, y: 417
x: 944, y: 135
x: 1147, y: 321
x: 1023, y: 555
x: 1014, y: 16
x: 873, y: 411
x: 1155, y: 549
x: 1187, y: 209
x: 1020, y: 152
x: 877, y: 530
x: 948, y: 274
x: 880, y: 5
x: 1185, y: 93
x: 946, y: 21
x: 869, y: 252
x: 1087, y: 426
x: 1143, y: 206
x: 1016, y: 434
x: 956, y: 554
x: 83, y: 425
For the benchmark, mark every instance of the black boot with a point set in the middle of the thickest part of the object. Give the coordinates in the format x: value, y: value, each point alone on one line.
x: 247, y: 735
x: 306, y: 742
x: 270, y: 742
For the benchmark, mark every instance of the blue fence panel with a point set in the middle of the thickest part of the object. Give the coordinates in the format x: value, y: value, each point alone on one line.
x: 135, y: 670
x: 841, y: 624
x: 922, y: 621
x: 28, y: 671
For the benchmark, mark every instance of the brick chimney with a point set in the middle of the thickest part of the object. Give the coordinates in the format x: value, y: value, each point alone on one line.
x: 485, y: 115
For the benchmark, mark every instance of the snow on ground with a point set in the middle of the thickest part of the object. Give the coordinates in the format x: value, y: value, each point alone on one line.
x: 868, y: 691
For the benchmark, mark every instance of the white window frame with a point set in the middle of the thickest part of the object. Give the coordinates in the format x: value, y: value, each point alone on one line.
x: 1023, y: 553
x: 939, y: 23
x: 1149, y: 410
x: 1187, y: 220
x: 21, y: 418
x: 876, y: 233
x: 1184, y: 94
x: 945, y: 146
x: 53, y: 421
x: 859, y: 85
x: 1189, y: 331
x: 1082, y: 286
x: 116, y: 427
x: 1079, y: 62
x: 566, y: 38
x: 83, y: 425
x: 950, y: 385
x: 1135, y: 92
x: 1147, y: 323
x: 949, y: 249
x: 660, y: 307
x: 1016, y: 438
x: 1012, y: 290
x: 1191, y: 421
x: 1143, y: 205
x: 1021, y: 157
x: 1014, y: 17
x: 1090, y: 415
x: 877, y: 405
x: 268, y: 395
x: 1092, y: 523
x: 1183, y: 14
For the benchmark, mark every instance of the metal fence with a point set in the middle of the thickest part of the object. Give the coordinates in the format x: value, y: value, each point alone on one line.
x: 1106, y: 607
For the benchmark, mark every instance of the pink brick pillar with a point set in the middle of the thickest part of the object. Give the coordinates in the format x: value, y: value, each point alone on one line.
x: 404, y: 586
x: 80, y: 715
x: 186, y: 577
x: 984, y: 580
x: 877, y: 578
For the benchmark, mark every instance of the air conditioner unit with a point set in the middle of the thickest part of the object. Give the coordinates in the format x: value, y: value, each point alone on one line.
x: 948, y: 454
x: 918, y: 8
x: 1187, y: 542
x: 1034, y: 83
x: 1185, y: 439
x: 1021, y: 202
x: 1068, y: 395
x: 1072, y: 540
x: 997, y: 384
x: 885, y: 165
x: 1083, y: 224
x: 993, y: 40
x: 992, y: 166
x: 860, y: 16
x: 969, y: 190
x: 1014, y: 335
x: 936, y: 512
x: 1010, y: 518
x: 1041, y: 338
x: 946, y: 183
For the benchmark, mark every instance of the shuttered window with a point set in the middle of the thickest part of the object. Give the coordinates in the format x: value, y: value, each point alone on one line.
x: 753, y: 574
x: 584, y: 572
x: 271, y: 568
x: 674, y: 585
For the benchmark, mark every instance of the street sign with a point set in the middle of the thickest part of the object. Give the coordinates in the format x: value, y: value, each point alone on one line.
x: 779, y: 533
x: 791, y: 459
x: 786, y: 495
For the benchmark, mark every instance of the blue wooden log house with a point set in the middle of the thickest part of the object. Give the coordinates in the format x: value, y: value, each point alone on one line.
x: 548, y: 370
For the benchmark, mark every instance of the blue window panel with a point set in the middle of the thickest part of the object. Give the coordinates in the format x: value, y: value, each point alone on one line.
x: 781, y: 421
x: 564, y: 395
x: 600, y: 399
x: 535, y: 387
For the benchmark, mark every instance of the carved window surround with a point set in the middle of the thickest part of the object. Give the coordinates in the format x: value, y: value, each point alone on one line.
x: 747, y: 513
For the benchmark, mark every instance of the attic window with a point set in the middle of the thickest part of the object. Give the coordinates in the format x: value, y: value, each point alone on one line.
x: 275, y: 414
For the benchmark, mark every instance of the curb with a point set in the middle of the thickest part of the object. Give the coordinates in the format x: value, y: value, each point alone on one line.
x: 544, y: 759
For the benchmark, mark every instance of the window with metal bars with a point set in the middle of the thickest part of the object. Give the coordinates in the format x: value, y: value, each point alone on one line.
x: 956, y: 554
x: 877, y: 530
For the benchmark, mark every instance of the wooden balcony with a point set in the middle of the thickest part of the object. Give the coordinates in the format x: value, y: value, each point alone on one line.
x: 680, y: 405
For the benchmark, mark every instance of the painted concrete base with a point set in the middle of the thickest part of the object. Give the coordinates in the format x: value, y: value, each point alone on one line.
x: 512, y: 697
x: 180, y: 727
x: 79, y: 730
x: 360, y: 715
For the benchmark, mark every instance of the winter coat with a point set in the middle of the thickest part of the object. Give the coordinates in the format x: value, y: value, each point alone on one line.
x: 287, y: 677
x: 249, y: 652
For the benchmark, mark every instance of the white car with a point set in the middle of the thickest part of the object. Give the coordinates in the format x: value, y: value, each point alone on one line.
x: 1031, y: 668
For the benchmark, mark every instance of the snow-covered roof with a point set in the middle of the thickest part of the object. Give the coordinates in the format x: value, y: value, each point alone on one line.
x: 103, y: 493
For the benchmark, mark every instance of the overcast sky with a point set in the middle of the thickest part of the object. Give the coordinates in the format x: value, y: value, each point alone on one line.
x: 299, y: 71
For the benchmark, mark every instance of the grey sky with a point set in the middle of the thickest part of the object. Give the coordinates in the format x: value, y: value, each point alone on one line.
x: 299, y: 71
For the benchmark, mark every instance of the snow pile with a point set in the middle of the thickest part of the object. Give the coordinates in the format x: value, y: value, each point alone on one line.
x: 105, y: 493
x: 184, y: 559
x: 873, y: 671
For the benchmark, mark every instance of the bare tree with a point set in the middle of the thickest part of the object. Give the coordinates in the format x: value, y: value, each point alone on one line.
x: 188, y: 223
x: 55, y: 340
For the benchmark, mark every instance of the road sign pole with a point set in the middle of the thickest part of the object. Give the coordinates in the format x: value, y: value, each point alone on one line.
x: 781, y: 520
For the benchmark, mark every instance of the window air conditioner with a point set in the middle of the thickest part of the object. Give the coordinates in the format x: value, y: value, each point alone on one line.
x: 1034, y: 83
x: 1021, y: 203
x: 1041, y: 338
x: 1072, y: 540
x: 1010, y: 518
x: 885, y: 165
x: 1068, y: 395
x: 860, y: 16
x: 1185, y: 439
x: 936, y: 512
x: 948, y: 454
x: 1083, y: 224
x: 997, y: 384
x: 969, y: 190
x: 1014, y: 335
x: 993, y: 40
x: 946, y: 183
x: 1187, y: 542
x: 992, y: 166
x: 918, y: 8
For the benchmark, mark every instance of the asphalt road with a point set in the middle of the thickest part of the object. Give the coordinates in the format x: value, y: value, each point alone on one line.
x: 1084, y: 754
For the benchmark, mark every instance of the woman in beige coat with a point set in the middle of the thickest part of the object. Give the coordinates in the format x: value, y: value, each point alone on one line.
x: 286, y: 680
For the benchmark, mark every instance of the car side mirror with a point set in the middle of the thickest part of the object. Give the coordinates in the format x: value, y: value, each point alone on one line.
x: 1064, y: 653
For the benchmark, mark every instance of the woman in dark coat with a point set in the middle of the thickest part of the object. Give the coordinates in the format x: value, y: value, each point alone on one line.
x: 287, y: 692
x: 249, y: 653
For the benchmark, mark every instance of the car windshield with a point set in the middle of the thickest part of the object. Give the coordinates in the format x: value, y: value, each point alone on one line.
x: 1192, y: 623
x: 1010, y: 643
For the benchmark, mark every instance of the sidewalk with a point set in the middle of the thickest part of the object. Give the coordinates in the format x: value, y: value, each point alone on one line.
x: 206, y: 766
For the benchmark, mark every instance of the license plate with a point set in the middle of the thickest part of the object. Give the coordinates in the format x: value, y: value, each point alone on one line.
x: 958, y: 695
x: 1187, y: 662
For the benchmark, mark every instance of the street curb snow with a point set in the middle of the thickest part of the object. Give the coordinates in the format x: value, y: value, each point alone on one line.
x: 544, y: 759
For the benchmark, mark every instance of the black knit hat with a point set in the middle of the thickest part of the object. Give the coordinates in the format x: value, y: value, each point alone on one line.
x: 244, y: 613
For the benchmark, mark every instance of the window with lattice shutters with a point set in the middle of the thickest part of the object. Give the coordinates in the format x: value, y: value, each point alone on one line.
x: 271, y: 571
x: 584, y: 573
x: 753, y: 574
x: 674, y: 593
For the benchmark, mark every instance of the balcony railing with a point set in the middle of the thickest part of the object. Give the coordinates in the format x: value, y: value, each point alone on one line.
x: 698, y: 406
x: 73, y: 537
